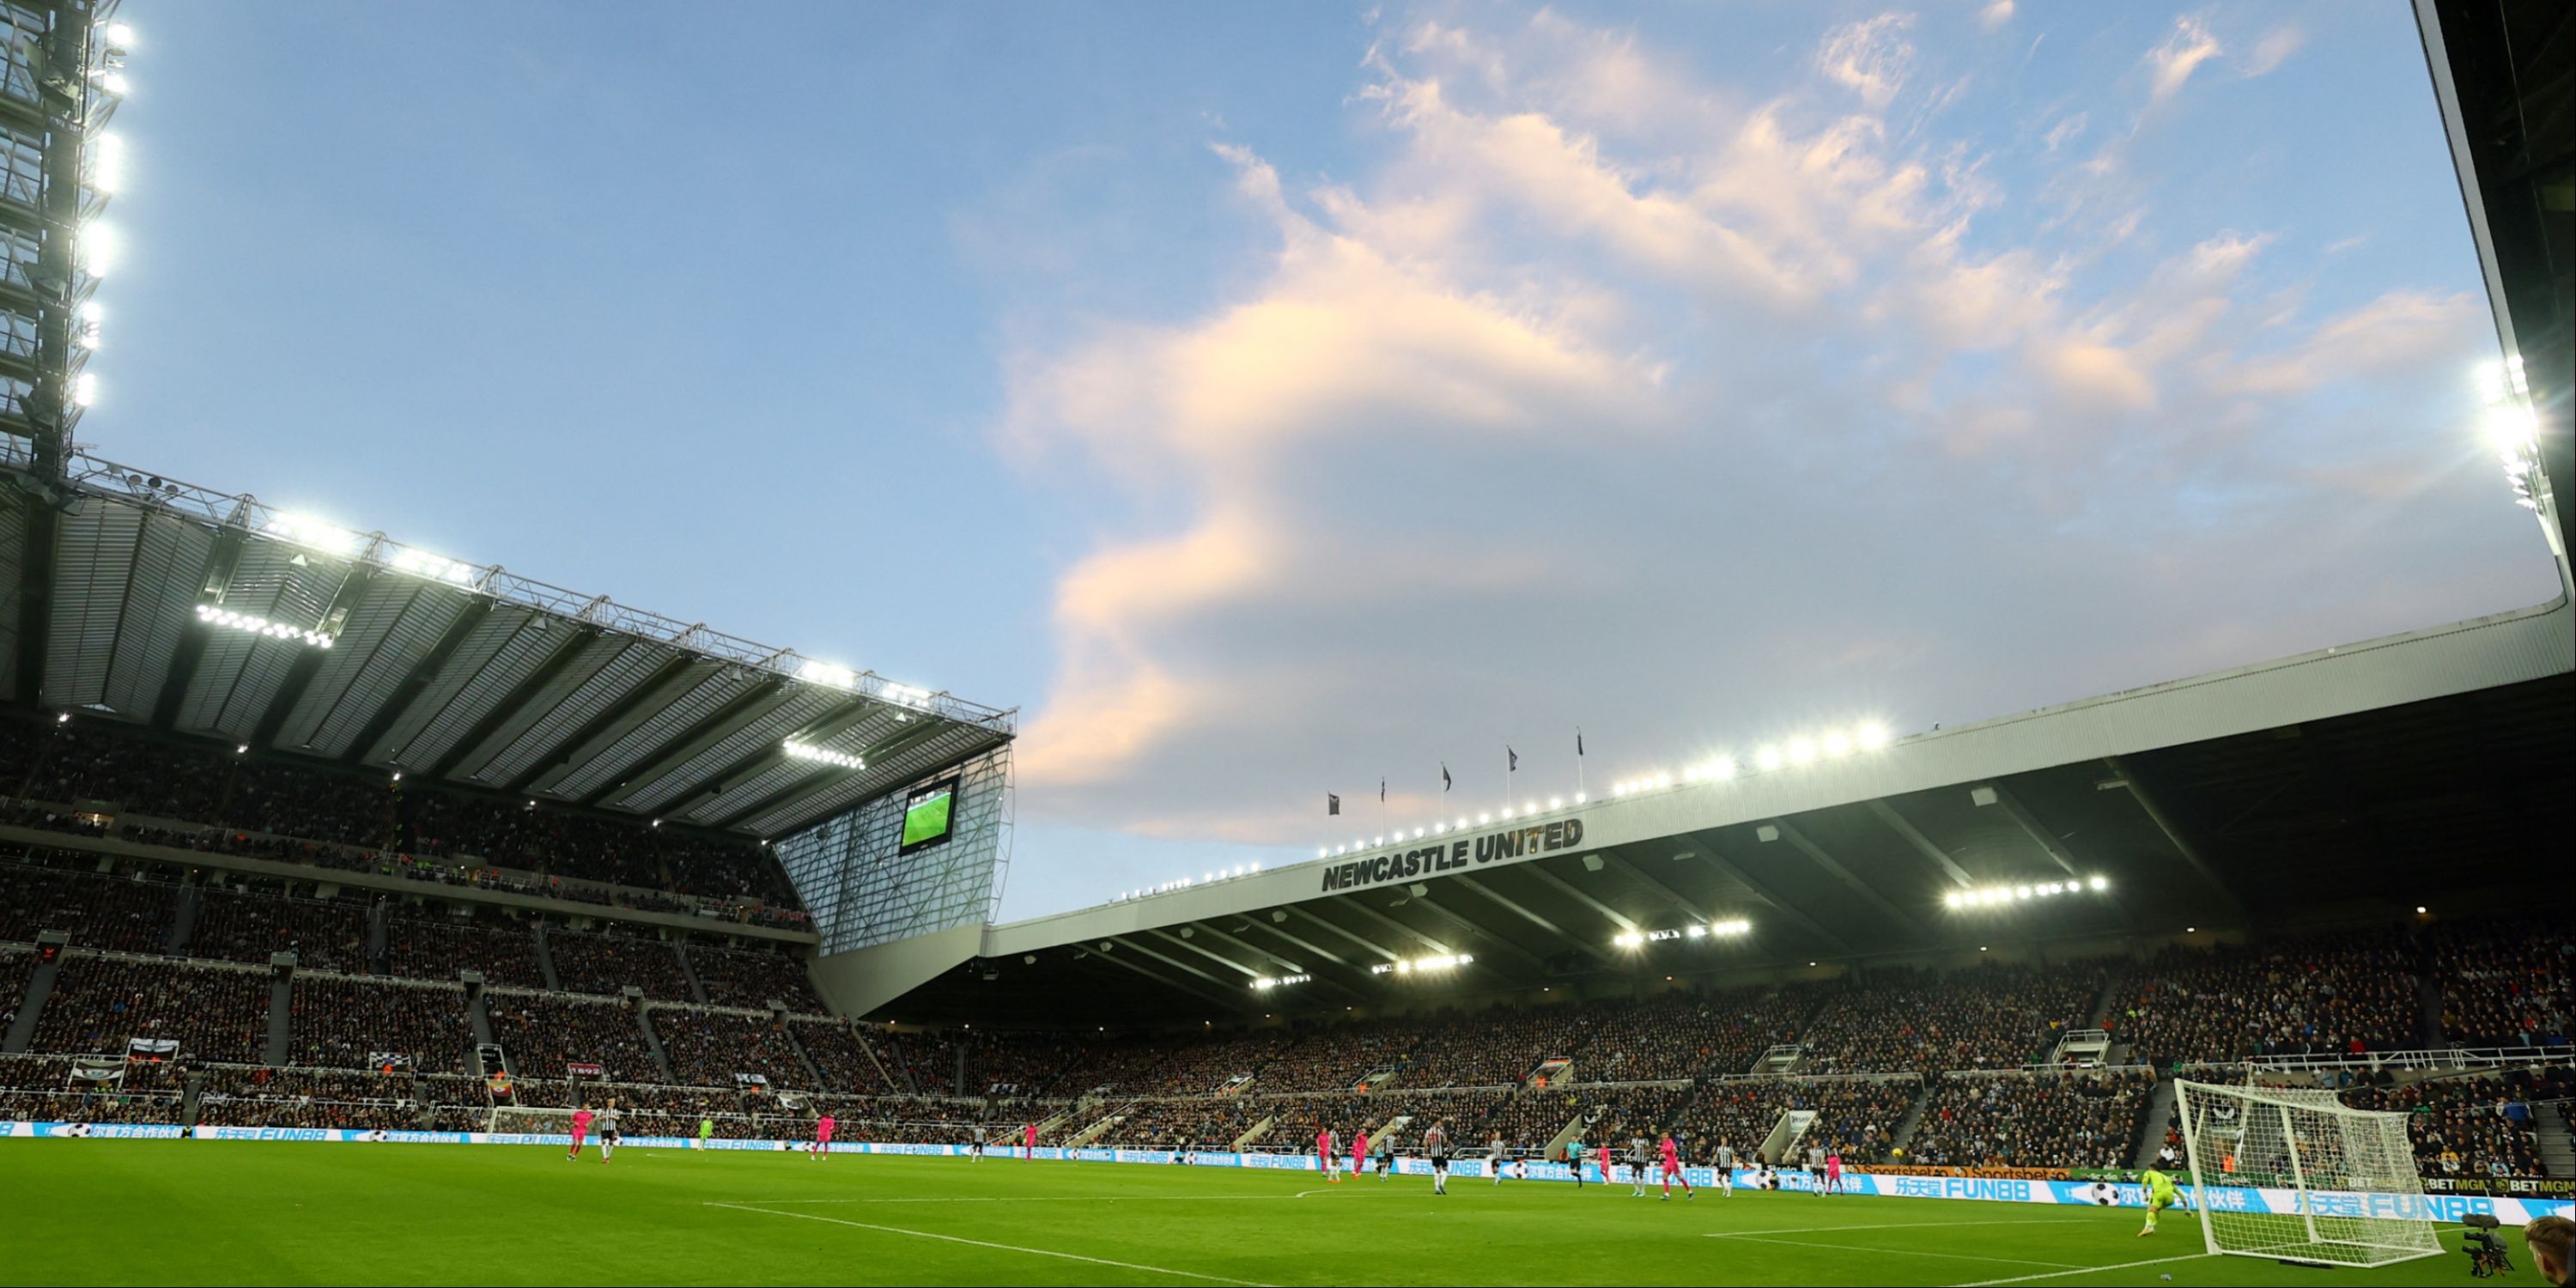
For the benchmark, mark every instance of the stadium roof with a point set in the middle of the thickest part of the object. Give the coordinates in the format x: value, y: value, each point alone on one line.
x: 142, y: 598
x: 2371, y: 777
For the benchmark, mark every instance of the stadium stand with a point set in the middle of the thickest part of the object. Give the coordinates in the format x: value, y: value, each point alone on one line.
x: 2344, y: 993
x: 1858, y: 1115
x: 419, y: 948
x: 736, y: 977
x: 2060, y: 1120
x: 114, y: 913
x: 341, y: 1023
x: 604, y: 963
x: 1926, y: 1022
x: 714, y: 1048
x: 99, y: 1003
x: 544, y: 1032
x: 250, y: 925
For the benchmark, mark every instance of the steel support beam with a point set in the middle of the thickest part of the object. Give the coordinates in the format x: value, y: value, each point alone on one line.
x: 1303, y: 915
x: 1899, y: 824
x: 1566, y: 888
x: 1705, y: 846
x: 2031, y: 827
x: 1789, y: 832
x: 2191, y: 854
x: 1558, y: 932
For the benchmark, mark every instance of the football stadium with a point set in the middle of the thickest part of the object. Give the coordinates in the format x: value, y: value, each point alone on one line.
x: 620, y: 948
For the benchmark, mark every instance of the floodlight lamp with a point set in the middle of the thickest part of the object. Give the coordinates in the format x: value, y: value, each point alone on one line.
x: 1871, y: 736
x: 1697, y: 931
x: 1578, y: 798
x: 1721, y: 769
x: 114, y: 82
x: 120, y: 35
x: 2511, y: 427
x: 85, y: 389
x: 242, y: 749
x: 826, y: 674
x: 97, y: 248
x: 1801, y: 751
x: 1556, y: 802
x: 1319, y: 851
x: 1837, y: 745
x: 1484, y: 818
x: 1767, y: 759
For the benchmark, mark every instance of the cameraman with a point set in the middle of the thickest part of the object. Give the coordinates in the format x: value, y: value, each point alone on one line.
x: 2551, y: 1239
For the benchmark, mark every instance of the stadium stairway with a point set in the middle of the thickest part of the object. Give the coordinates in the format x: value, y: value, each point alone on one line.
x: 39, y: 987
x: 2428, y: 1013
x: 183, y: 925
x: 1259, y: 1130
x: 2557, y: 1151
x: 2106, y: 1003
x: 546, y: 968
x: 698, y: 991
x: 281, y: 1009
x: 644, y: 1020
x: 377, y: 942
x: 1556, y: 1144
x: 794, y: 1043
x: 1903, y: 1137
x: 2151, y: 1124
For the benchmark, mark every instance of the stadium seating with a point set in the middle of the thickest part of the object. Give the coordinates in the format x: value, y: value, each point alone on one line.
x: 1926, y: 1023
x: 842, y: 1058
x: 2064, y: 1120
x: 545, y: 1032
x: 607, y: 963
x: 733, y: 977
x: 2348, y: 993
x: 115, y: 913
x: 249, y: 926
x: 99, y: 1003
x: 340, y: 1023
x: 711, y: 1048
x: 1857, y: 1115
x: 420, y: 948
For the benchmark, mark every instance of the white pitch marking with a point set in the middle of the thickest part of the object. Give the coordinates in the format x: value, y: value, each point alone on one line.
x: 999, y: 1247
x: 2066, y: 1267
x: 2060, y: 1274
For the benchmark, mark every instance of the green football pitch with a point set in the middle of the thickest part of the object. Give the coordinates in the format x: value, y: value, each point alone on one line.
x: 101, y: 1211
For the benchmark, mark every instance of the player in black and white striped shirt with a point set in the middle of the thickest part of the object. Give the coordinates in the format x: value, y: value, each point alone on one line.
x: 1435, y: 1144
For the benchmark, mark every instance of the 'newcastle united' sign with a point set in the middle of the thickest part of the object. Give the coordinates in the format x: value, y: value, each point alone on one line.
x: 1449, y: 856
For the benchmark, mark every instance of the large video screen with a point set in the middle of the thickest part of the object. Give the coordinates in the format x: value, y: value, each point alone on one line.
x: 928, y: 815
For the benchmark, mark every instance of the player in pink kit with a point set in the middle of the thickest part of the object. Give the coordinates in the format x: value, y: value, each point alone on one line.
x: 1359, y: 1151
x: 1325, y: 1154
x: 1604, y: 1154
x: 580, y: 1128
x: 1834, y: 1172
x: 1672, y: 1160
x: 822, y: 1138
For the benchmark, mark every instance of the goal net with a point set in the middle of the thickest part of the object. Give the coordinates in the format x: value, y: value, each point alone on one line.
x: 2294, y: 1173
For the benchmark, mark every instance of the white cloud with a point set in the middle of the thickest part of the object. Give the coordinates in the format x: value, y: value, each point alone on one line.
x: 1995, y: 15
x: 2173, y: 62
x: 2066, y: 129
x: 1509, y: 432
x: 1872, y: 57
x: 2273, y: 50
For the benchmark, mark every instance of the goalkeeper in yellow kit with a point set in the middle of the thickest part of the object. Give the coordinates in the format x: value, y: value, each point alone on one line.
x: 2161, y: 1194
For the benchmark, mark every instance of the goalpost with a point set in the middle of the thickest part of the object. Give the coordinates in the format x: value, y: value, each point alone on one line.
x: 2295, y: 1173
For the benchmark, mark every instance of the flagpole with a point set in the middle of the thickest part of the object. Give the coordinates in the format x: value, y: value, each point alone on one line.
x: 1578, y: 762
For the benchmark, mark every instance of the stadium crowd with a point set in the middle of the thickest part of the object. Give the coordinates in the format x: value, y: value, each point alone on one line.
x: 2346, y: 993
x: 1920, y: 1021
x: 1859, y: 1116
x: 338, y: 1023
x: 606, y: 963
x: 99, y: 1003
x: 2063, y: 1120
x: 250, y: 925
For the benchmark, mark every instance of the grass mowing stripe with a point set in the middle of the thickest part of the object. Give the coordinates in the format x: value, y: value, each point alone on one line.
x: 1001, y: 1247
x: 1068, y: 1198
x: 1901, y: 1225
x: 2089, y: 1270
x: 1912, y: 1252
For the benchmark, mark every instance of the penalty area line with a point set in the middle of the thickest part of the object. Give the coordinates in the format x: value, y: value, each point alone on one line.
x: 1901, y: 1225
x: 998, y: 1247
x: 2088, y: 1270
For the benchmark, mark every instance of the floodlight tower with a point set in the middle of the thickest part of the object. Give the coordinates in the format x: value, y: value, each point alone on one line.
x: 62, y: 75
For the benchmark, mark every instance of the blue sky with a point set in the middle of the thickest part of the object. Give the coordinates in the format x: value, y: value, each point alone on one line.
x: 1265, y: 399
